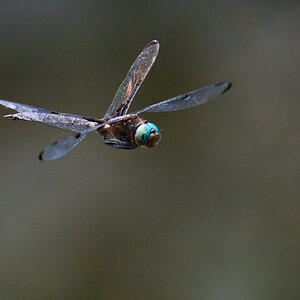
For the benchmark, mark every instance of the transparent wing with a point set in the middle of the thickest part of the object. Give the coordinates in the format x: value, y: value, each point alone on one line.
x: 188, y: 100
x: 133, y: 81
x: 61, y: 147
x: 61, y: 120
x: 23, y: 107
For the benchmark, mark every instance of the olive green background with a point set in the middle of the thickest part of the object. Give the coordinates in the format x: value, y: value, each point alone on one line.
x: 212, y: 212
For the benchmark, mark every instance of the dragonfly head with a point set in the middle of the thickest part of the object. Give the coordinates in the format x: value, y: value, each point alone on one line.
x: 147, y: 135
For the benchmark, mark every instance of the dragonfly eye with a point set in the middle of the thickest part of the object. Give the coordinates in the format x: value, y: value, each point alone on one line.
x: 147, y: 135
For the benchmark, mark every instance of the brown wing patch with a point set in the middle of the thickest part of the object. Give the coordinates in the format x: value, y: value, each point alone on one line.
x: 129, y: 89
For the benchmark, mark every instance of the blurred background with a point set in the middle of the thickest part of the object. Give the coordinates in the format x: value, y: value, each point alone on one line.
x: 212, y: 212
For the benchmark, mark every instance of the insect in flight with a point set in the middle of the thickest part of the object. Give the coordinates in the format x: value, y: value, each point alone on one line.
x: 118, y: 128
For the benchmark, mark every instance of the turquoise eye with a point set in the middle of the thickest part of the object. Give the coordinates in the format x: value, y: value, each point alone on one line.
x: 153, y: 126
x: 144, y: 132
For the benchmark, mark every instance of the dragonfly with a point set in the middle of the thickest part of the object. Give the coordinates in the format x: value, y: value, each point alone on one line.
x: 119, y: 128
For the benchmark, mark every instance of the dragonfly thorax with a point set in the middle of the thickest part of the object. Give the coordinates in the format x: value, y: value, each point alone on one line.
x: 129, y: 132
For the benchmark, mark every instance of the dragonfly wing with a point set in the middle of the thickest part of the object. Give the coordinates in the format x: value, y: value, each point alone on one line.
x: 61, y: 147
x: 188, y: 100
x: 133, y: 81
x: 22, y: 107
x: 61, y: 120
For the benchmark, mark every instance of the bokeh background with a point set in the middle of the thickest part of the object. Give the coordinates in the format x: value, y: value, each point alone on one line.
x: 212, y: 212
